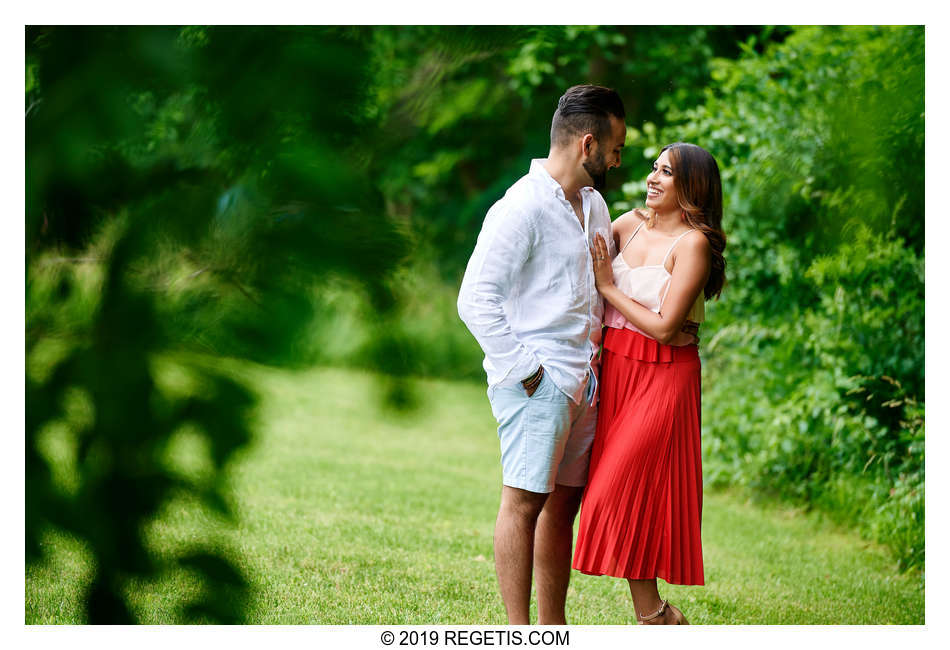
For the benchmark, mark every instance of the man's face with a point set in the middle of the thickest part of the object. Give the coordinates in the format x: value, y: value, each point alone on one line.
x: 606, y: 155
x: 596, y: 166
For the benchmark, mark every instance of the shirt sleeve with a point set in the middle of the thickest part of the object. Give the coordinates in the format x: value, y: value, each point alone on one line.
x: 604, y: 217
x: 504, y: 245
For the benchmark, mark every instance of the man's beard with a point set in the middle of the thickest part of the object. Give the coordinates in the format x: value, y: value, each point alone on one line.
x: 596, y: 168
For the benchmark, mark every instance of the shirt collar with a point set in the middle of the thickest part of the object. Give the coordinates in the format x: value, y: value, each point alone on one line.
x: 538, y: 171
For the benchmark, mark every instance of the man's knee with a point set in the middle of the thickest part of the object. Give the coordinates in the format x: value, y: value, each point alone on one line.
x: 562, y: 505
x: 522, y: 504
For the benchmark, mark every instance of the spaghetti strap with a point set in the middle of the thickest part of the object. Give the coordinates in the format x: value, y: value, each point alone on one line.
x: 673, y: 245
x: 635, y: 231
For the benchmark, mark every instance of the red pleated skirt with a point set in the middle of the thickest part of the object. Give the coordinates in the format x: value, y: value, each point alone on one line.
x: 642, y: 508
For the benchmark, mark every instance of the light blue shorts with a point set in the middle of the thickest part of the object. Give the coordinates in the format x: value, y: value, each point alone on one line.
x: 546, y: 438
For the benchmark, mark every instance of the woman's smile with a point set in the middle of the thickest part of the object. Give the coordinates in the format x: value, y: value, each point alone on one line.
x: 660, y: 189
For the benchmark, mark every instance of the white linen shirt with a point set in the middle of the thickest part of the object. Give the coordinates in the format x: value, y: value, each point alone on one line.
x: 528, y: 294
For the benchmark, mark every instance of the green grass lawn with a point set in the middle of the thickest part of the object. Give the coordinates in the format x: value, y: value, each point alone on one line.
x: 350, y: 513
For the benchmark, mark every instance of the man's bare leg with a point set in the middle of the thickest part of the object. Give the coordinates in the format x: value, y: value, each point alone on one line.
x: 553, y: 541
x: 514, y: 549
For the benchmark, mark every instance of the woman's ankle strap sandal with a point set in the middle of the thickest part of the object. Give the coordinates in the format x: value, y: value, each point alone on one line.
x: 655, y: 614
x: 677, y: 614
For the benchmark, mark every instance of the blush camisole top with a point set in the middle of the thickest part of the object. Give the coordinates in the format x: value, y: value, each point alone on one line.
x: 648, y: 285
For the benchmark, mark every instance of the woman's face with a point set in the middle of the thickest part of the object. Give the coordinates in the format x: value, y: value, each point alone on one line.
x: 661, y: 195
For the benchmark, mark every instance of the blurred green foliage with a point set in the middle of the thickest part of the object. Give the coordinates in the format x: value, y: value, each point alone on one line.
x: 187, y: 191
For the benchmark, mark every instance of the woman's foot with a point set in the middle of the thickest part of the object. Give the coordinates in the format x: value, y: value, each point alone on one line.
x: 678, y: 617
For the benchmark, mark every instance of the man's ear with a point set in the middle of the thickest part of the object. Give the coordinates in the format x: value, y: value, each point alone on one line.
x: 587, y: 143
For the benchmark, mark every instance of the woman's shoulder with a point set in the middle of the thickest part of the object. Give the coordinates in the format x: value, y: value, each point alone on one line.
x: 630, y: 220
x: 694, y: 242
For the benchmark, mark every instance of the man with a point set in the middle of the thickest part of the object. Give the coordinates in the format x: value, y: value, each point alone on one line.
x: 528, y: 297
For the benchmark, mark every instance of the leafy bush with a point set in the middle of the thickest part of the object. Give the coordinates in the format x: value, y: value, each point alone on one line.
x: 814, y: 367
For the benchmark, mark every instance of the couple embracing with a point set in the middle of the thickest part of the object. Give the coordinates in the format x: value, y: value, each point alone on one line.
x: 588, y: 329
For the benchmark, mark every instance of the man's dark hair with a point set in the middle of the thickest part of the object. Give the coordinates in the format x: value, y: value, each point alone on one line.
x: 585, y: 109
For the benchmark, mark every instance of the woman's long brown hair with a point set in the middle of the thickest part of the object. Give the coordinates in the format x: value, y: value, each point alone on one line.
x: 699, y: 191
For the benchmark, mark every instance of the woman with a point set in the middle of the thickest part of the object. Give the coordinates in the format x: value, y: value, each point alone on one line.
x: 642, y: 508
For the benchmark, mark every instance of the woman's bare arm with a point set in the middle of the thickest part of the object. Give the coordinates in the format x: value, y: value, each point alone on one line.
x: 690, y: 272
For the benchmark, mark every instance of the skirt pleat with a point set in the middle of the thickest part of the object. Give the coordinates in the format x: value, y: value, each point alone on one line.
x: 642, y: 509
